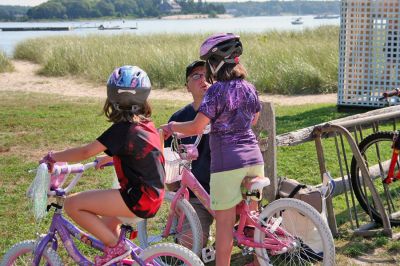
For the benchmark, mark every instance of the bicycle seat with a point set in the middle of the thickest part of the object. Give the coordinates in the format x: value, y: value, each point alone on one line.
x: 253, y: 186
x: 128, y: 220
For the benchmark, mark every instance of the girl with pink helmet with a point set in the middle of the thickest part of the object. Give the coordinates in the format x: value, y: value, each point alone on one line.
x: 232, y: 106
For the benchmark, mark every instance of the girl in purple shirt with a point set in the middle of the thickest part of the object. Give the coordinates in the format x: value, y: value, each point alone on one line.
x: 232, y: 106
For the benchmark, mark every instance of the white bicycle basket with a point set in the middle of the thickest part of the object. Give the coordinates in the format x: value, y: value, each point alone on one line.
x: 172, y: 173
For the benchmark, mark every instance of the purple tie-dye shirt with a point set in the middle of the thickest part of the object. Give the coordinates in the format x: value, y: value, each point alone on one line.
x: 231, y: 106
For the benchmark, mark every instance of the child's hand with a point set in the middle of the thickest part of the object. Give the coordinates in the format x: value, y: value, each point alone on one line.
x: 49, y: 160
x: 167, y: 128
x: 103, y: 161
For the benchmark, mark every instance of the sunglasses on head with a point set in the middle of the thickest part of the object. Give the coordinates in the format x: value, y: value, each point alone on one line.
x: 197, y: 76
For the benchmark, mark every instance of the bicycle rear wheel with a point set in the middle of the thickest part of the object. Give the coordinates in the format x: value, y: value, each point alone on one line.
x: 302, y: 228
x: 170, y: 254
x: 188, y: 235
x: 22, y: 254
x: 377, y: 152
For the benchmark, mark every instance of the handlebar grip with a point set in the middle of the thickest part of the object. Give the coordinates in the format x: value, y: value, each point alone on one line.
x: 391, y: 93
x: 67, y: 169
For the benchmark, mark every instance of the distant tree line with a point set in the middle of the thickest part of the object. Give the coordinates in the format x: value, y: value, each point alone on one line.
x: 13, y: 13
x: 190, y: 7
x: 275, y: 8
x: 74, y: 9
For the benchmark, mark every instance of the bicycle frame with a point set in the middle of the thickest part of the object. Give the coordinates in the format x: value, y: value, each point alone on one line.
x: 190, y: 182
x: 66, y: 230
x: 395, y: 155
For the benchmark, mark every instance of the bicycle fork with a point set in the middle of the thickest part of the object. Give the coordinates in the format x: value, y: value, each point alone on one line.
x: 395, y: 155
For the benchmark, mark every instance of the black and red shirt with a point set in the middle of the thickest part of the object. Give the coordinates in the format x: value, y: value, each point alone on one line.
x: 136, y: 151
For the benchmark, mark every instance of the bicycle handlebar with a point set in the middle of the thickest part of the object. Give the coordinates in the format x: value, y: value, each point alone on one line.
x: 388, y: 94
x: 77, y: 169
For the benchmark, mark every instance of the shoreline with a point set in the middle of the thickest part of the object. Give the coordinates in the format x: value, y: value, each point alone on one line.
x: 196, y: 16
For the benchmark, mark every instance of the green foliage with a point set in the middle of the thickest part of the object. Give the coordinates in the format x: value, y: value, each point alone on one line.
x: 75, y: 9
x: 357, y: 248
x: 277, y: 62
x: 394, y: 247
x: 274, y: 8
x: 13, y: 13
x: 5, y: 63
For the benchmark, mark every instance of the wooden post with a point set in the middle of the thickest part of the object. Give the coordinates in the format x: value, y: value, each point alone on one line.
x: 322, y: 168
x: 266, y: 126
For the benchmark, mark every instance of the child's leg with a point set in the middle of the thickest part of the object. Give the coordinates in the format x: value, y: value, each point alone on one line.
x: 86, y: 207
x: 113, y: 224
x: 225, y: 220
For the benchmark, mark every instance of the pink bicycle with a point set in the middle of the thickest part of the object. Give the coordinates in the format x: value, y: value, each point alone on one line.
x: 285, y: 232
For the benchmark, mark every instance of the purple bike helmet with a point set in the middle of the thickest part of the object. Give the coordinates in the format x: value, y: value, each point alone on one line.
x: 221, y: 48
x: 128, y: 88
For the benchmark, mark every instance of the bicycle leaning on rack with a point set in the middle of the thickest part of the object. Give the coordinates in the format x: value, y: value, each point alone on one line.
x: 286, y: 231
x: 381, y: 154
x: 43, y: 251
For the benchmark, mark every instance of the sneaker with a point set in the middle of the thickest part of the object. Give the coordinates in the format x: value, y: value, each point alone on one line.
x: 113, y: 254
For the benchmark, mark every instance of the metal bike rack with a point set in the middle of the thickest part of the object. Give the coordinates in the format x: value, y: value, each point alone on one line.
x: 330, y: 128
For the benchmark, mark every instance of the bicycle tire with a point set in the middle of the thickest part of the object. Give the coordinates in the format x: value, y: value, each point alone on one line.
x: 170, y: 254
x: 183, y: 206
x: 15, y: 255
x: 313, y: 238
x: 377, y: 143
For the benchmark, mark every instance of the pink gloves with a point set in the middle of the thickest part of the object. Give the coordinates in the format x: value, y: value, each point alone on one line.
x: 49, y: 160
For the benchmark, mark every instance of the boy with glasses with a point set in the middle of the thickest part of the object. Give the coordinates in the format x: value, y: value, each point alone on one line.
x: 197, y: 86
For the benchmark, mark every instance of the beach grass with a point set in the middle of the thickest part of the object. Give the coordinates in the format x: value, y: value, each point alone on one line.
x: 5, y: 63
x: 32, y: 126
x: 284, y: 62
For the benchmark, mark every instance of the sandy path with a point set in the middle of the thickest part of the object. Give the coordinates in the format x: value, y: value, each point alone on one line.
x: 24, y: 78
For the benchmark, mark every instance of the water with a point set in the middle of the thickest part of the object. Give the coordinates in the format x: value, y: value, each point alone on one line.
x: 8, y: 40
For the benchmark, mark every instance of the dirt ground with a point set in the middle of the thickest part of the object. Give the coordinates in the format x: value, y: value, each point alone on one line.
x: 24, y: 78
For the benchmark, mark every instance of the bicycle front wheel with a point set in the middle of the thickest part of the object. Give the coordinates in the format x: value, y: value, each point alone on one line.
x: 22, y: 254
x: 169, y: 254
x: 187, y: 232
x: 377, y: 152
x: 301, y: 228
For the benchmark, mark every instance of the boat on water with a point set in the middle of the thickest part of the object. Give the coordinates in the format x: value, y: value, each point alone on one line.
x: 326, y: 16
x: 297, y: 21
x: 102, y: 27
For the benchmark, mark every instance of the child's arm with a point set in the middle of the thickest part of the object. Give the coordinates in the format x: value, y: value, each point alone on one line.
x: 79, y: 153
x: 189, y: 128
x: 255, y: 120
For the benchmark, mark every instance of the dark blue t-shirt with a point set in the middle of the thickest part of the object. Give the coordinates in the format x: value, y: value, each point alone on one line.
x: 201, y: 166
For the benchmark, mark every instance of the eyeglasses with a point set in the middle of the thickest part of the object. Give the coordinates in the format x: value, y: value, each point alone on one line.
x: 197, y: 76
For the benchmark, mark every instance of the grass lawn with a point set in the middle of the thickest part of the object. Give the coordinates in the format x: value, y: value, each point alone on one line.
x: 32, y: 124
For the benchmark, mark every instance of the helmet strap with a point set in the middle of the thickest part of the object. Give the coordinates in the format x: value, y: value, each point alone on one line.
x: 134, y: 108
x: 215, y: 70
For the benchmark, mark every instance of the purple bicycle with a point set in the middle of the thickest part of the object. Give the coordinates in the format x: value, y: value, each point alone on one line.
x: 43, y: 251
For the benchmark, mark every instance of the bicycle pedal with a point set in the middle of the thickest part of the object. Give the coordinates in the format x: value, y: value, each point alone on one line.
x: 208, y: 254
